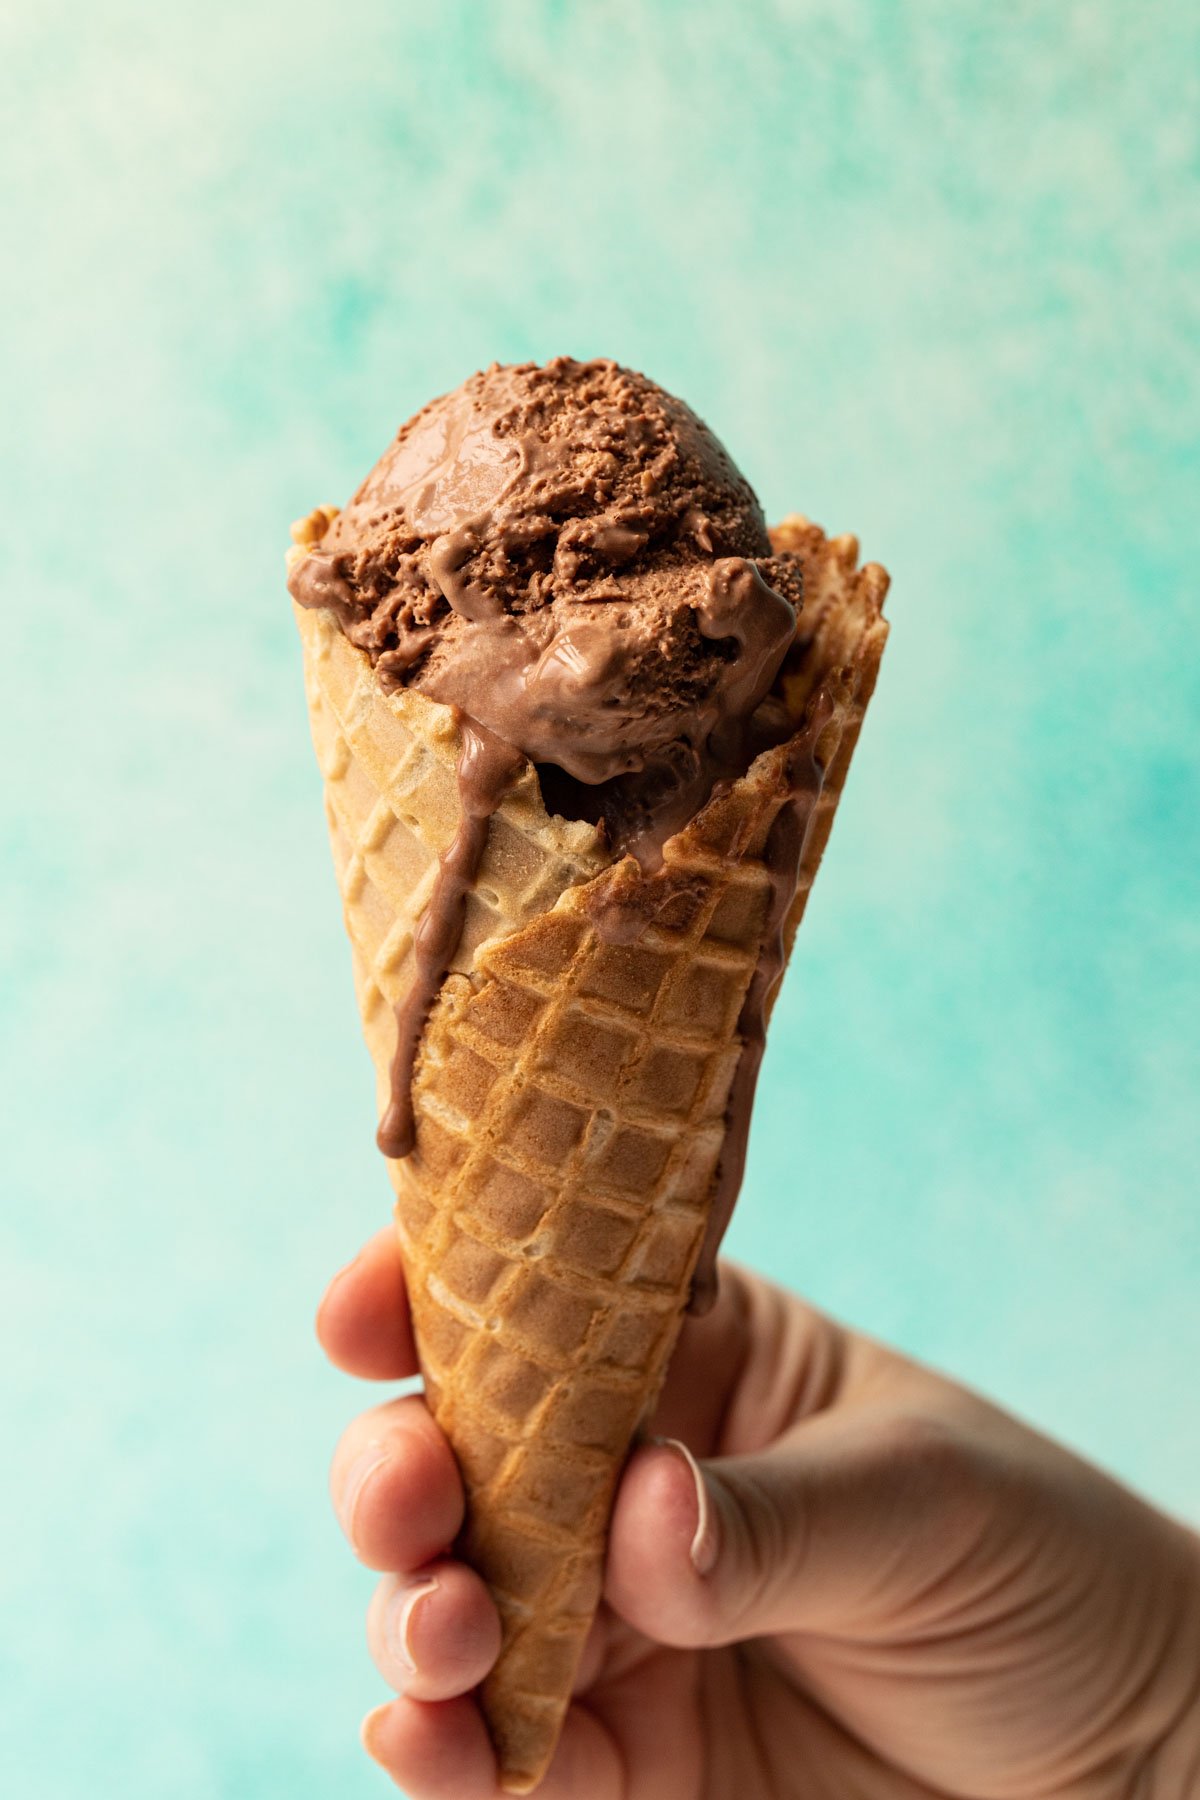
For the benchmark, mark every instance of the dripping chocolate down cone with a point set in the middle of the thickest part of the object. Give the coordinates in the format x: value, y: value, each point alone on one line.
x: 573, y: 1092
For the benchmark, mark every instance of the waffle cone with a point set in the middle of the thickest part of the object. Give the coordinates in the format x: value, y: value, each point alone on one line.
x: 570, y: 1096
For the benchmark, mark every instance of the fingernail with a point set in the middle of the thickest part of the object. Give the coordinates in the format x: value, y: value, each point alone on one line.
x: 371, y: 1732
x: 401, y: 1614
x: 355, y: 1484
x: 704, y: 1546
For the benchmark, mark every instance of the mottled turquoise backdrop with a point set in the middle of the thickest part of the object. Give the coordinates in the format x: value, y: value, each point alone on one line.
x: 931, y: 269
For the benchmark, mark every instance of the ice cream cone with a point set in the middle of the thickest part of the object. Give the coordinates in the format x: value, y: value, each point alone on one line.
x: 571, y: 1094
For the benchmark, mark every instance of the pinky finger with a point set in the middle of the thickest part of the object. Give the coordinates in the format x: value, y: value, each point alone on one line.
x: 434, y: 1749
x: 440, y: 1750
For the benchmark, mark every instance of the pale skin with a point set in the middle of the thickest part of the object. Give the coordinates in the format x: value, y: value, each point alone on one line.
x: 863, y: 1583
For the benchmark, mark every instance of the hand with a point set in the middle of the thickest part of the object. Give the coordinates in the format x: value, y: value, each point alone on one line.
x: 871, y: 1584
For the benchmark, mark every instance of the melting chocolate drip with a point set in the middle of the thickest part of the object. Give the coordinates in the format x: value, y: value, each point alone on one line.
x: 486, y: 768
x: 623, y: 909
x: 783, y: 856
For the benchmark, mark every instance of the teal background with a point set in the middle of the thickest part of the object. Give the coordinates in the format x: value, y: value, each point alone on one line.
x: 932, y: 271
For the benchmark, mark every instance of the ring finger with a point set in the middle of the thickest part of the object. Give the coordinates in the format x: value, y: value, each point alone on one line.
x: 433, y: 1634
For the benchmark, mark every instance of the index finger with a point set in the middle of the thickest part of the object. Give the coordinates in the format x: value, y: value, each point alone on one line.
x: 363, y: 1321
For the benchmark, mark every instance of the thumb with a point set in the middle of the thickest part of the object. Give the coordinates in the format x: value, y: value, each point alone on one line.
x: 841, y: 1522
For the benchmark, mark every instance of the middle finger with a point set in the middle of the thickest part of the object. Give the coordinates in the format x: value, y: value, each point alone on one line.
x: 396, y: 1487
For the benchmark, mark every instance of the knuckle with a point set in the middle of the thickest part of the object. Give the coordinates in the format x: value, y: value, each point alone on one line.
x: 940, y: 1473
x: 924, y: 1445
x: 765, y: 1531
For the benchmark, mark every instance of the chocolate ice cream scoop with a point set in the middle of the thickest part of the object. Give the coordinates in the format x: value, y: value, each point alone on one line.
x: 569, y: 556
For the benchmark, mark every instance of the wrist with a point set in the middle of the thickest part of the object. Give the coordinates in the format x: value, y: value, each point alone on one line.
x: 1175, y: 1773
